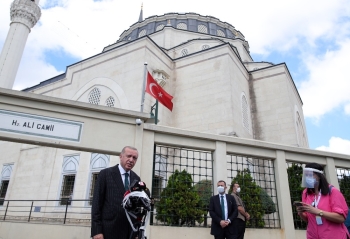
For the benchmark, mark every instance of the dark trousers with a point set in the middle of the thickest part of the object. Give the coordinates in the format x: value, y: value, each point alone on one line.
x: 239, y: 224
x: 226, y: 234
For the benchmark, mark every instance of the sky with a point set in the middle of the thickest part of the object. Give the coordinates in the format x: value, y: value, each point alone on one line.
x: 312, y: 37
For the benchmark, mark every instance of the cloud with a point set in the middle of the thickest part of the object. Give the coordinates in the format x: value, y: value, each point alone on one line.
x: 337, y: 145
x: 328, y: 86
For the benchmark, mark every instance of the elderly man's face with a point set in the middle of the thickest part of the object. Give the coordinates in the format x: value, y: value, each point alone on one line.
x: 128, y: 159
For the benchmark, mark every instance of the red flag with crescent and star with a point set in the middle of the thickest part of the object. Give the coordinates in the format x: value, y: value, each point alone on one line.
x: 155, y: 90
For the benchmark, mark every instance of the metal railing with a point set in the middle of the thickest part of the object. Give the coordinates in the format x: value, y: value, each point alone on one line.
x: 74, y: 212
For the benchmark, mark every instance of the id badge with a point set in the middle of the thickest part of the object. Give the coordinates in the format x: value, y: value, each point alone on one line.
x: 318, y: 220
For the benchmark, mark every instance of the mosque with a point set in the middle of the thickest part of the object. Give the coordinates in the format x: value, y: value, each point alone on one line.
x: 203, y: 62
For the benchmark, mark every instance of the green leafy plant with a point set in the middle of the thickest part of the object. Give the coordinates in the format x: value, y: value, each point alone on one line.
x: 267, y: 203
x: 251, y: 196
x: 204, y: 188
x: 179, y: 203
x: 344, y: 185
x: 295, y: 175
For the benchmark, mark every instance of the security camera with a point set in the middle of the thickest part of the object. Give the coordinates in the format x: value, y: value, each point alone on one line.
x: 138, y: 121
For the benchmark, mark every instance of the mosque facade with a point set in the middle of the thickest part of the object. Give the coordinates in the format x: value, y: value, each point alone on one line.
x: 204, y: 63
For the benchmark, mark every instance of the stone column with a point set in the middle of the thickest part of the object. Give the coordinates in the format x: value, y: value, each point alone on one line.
x: 283, y: 196
x: 331, y: 173
x: 220, y: 164
x: 24, y: 15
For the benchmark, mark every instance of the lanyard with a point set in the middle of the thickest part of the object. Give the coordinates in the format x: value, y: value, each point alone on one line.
x: 318, y: 200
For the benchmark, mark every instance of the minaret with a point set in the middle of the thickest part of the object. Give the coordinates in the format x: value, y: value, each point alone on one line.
x: 24, y: 15
x: 141, y: 14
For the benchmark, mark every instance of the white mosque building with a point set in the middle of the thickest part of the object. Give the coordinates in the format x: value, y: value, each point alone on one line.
x: 204, y: 63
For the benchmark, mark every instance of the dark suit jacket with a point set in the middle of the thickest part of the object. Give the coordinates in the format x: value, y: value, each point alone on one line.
x: 215, y: 213
x: 107, y: 214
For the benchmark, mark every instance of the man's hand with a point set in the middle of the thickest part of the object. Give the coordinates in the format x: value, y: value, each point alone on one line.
x: 98, y: 236
x: 247, y: 216
x: 224, y: 223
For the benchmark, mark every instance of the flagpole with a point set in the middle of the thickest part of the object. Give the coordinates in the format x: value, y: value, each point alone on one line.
x: 156, y: 114
x: 143, y: 87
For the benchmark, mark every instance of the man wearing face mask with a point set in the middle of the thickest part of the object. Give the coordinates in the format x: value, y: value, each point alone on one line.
x: 222, y: 210
x: 239, y: 222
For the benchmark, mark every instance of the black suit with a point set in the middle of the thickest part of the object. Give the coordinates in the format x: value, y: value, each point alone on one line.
x: 107, y: 214
x: 215, y: 214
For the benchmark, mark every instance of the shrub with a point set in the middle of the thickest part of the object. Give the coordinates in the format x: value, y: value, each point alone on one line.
x: 179, y: 204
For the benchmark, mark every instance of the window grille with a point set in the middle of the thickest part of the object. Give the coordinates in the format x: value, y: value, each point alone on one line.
x: 160, y: 27
x: 192, y: 171
x: 3, y: 190
x: 184, y: 52
x: 182, y: 26
x: 220, y: 33
x: 202, y: 28
x: 67, y: 189
x: 295, y: 173
x: 110, y: 101
x: 245, y: 113
x: 205, y: 47
x: 94, y: 96
x: 343, y: 175
x: 142, y: 33
x: 256, y: 177
x: 92, y: 186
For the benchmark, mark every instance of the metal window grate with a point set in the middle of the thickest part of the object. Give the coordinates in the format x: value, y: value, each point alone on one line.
x: 182, y: 26
x: 202, y: 28
x: 160, y: 27
x: 94, y: 96
x: 182, y: 178
x: 142, y: 33
x: 67, y: 189
x: 220, y: 33
x: 343, y: 175
x: 110, y: 101
x: 256, y: 177
x: 92, y: 186
x: 3, y: 190
x: 184, y: 52
x: 295, y: 173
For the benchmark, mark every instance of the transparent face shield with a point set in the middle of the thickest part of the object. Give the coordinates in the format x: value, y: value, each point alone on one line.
x: 309, y: 180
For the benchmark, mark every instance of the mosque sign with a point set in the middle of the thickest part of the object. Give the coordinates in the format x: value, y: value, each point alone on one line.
x: 40, y: 126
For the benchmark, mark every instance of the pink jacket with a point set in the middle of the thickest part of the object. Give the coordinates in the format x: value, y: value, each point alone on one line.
x: 333, y: 202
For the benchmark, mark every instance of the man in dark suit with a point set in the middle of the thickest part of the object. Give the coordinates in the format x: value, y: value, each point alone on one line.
x: 223, y: 210
x: 108, y: 219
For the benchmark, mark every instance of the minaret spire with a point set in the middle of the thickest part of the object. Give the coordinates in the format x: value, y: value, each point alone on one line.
x: 24, y: 15
x: 141, y: 14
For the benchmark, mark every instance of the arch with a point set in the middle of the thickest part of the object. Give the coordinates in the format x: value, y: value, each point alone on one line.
x: 160, y: 27
x: 202, y: 28
x: 220, y: 33
x: 110, y: 101
x: 99, y: 161
x: 94, y: 96
x: 245, y: 113
x: 142, y: 32
x: 70, y: 164
x: 6, y: 172
x: 184, y: 52
x: 181, y: 25
x: 109, y: 83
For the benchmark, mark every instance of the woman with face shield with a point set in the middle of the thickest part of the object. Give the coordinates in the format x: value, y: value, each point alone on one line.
x: 323, y: 206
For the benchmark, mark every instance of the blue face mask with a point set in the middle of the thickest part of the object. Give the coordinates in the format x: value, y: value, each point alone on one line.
x: 310, y: 182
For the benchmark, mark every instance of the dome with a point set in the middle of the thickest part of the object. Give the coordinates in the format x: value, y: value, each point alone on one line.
x: 192, y: 22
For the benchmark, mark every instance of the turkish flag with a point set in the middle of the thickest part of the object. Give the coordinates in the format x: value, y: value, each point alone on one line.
x: 158, y: 92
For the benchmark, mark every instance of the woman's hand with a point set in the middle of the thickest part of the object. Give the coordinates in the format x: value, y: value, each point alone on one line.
x: 331, y: 216
x: 308, y: 208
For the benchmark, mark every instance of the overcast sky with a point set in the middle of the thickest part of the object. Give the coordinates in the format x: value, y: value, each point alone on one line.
x: 312, y: 37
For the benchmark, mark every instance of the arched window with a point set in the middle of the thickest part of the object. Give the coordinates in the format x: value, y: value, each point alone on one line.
x: 142, y: 33
x: 110, y: 101
x: 182, y: 26
x: 69, y: 170
x: 220, y: 33
x: 245, y: 113
x: 184, y: 52
x: 94, y: 96
x: 202, y: 28
x: 160, y: 27
x: 205, y: 47
x: 5, y: 181
x: 97, y: 163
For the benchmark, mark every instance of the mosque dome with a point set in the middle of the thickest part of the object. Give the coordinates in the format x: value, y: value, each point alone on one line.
x: 192, y: 22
